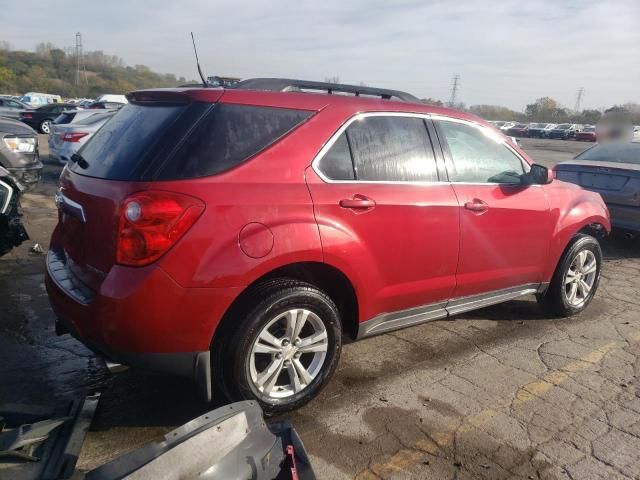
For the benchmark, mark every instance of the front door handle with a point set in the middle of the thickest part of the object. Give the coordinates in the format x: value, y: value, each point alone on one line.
x: 477, y: 206
x: 358, y: 202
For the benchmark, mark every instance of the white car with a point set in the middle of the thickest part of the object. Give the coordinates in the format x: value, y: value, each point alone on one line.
x: 36, y: 99
x: 110, y: 97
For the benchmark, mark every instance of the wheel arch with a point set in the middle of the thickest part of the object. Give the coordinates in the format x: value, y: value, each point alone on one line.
x: 326, y: 277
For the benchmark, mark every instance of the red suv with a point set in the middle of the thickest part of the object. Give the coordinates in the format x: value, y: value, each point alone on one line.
x: 236, y: 235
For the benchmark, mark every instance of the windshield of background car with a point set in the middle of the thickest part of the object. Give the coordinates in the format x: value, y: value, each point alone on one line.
x: 563, y: 127
x: 628, y: 152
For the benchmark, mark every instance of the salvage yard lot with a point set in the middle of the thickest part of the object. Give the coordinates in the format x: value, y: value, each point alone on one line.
x: 499, y: 393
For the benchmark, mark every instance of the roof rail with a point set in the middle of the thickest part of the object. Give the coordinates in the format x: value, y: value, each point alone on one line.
x: 292, y: 85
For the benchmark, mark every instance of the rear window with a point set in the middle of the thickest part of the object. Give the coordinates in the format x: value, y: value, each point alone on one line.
x: 178, y: 141
x: 613, y: 152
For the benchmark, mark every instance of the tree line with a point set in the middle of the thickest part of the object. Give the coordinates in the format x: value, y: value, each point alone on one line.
x: 545, y: 110
x: 53, y: 70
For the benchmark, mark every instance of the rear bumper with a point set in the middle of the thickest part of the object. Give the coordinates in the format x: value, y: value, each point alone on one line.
x: 140, y: 317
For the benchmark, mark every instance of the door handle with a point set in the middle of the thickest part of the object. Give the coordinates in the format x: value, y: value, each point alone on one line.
x: 477, y: 206
x: 358, y: 202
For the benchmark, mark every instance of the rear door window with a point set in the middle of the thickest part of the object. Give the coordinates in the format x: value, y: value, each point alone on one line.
x: 337, y: 164
x: 392, y: 149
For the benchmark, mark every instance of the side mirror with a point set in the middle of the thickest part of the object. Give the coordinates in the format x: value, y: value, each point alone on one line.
x: 537, y: 175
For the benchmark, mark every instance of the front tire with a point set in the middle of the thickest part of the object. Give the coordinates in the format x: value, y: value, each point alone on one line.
x: 575, y: 280
x: 285, y: 349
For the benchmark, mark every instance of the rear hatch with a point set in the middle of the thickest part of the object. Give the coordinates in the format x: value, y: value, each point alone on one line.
x: 158, y: 137
x: 617, y: 183
x: 108, y: 168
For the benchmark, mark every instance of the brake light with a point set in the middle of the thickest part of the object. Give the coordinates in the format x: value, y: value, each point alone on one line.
x: 26, y: 115
x: 151, y: 223
x: 73, y: 137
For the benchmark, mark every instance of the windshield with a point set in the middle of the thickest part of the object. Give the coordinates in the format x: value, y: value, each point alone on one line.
x: 589, y: 129
x: 613, y: 152
x: 565, y: 126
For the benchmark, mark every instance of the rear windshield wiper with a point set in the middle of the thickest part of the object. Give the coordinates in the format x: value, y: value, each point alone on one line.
x: 80, y: 160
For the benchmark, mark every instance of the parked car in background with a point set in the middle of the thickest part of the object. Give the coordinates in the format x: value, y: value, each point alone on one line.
x: 42, y: 117
x: 12, y: 231
x: 12, y: 108
x: 564, y: 131
x: 588, y: 134
x: 507, y: 126
x: 245, y: 262
x: 115, y: 98
x: 517, y: 130
x: 102, y: 105
x: 66, y: 139
x: 497, y: 123
x: 548, y: 128
x: 19, y: 153
x: 36, y: 99
x: 537, y: 130
x: 74, y: 115
x: 611, y: 169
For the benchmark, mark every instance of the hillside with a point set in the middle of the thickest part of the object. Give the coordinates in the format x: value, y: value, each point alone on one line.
x: 49, y: 69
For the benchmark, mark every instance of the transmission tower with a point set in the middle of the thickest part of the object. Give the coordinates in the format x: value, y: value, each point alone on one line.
x: 454, y: 91
x: 81, y: 73
x: 579, y: 99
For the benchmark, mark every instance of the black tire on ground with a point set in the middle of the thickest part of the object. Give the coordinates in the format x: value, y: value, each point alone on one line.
x: 265, y: 302
x: 45, y: 126
x: 554, y: 301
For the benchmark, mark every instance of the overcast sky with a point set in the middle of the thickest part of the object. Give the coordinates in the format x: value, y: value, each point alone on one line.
x: 506, y: 52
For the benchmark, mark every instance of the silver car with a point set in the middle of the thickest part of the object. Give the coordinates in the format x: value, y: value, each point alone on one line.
x: 613, y: 170
x: 66, y: 139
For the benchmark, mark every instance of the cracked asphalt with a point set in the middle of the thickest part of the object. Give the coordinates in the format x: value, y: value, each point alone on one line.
x: 500, y: 393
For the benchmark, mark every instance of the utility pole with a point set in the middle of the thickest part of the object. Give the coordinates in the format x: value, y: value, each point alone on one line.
x: 579, y: 99
x: 454, y: 91
x: 80, y: 68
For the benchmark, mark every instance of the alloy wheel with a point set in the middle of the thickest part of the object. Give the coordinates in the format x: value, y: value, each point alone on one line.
x: 580, y: 278
x: 288, y: 354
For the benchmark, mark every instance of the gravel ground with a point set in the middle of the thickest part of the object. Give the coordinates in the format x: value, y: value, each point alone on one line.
x: 499, y: 393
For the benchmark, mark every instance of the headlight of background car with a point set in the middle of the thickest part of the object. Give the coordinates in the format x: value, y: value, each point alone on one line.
x: 21, y: 144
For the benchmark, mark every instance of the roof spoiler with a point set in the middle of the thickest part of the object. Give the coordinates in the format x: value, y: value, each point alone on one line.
x: 291, y: 85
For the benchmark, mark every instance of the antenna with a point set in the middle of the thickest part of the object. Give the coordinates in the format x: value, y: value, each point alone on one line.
x: 204, y: 82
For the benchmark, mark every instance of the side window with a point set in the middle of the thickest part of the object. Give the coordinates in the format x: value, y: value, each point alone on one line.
x: 336, y: 164
x: 392, y: 148
x: 477, y: 157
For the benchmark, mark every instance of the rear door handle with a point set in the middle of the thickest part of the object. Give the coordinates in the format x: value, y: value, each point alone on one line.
x: 477, y: 206
x: 358, y: 202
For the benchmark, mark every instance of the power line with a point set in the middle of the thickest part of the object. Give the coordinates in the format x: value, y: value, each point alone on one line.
x: 454, y: 91
x: 579, y: 99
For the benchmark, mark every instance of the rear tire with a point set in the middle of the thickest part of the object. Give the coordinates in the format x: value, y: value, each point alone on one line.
x: 575, y: 280
x: 268, y: 359
x: 45, y: 126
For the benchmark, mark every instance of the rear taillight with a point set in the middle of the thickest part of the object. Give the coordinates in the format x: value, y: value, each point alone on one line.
x: 151, y: 223
x: 26, y: 115
x: 72, y: 137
